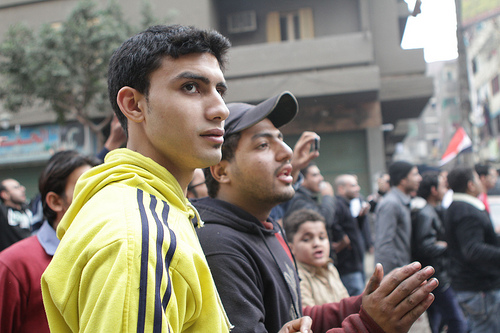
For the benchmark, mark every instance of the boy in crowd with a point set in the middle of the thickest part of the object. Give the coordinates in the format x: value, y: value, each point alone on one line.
x: 308, y: 239
x: 129, y: 259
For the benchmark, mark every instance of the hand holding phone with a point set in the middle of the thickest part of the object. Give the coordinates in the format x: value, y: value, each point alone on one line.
x: 315, y: 145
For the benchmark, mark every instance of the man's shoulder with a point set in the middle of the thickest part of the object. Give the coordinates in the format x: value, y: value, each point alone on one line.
x: 25, y: 248
x: 460, y: 209
x: 342, y: 205
x: 215, y: 232
x: 303, y: 192
x: 390, y: 199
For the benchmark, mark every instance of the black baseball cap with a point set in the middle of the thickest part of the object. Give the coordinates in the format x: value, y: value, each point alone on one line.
x: 279, y: 109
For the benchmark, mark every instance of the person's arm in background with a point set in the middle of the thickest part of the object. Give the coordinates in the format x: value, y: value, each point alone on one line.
x: 302, y: 156
x: 385, y: 233
x: 426, y: 242
x: 302, y: 153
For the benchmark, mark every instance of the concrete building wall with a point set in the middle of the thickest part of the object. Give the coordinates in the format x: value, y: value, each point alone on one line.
x: 350, y: 76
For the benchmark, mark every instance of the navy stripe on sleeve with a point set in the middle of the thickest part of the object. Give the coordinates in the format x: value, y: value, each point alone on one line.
x: 143, y: 286
x: 170, y: 253
x: 159, y: 267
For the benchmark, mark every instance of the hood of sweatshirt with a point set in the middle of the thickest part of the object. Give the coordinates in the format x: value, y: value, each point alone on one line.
x: 130, y: 168
x: 215, y: 211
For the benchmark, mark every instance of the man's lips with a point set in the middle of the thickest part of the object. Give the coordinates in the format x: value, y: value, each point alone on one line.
x: 285, y: 174
x: 215, y: 135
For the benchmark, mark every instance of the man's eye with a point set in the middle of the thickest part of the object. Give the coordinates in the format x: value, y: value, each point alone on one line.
x: 190, y: 88
x: 221, y: 92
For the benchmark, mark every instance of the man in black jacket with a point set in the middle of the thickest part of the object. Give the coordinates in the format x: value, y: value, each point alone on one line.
x: 430, y: 248
x: 15, y: 216
x: 350, y: 258
x: 474, y: 251
x: 314, y: 193
x: 247, y: 252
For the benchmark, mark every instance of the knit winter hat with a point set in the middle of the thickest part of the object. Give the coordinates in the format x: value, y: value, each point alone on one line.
x: 398, y: 171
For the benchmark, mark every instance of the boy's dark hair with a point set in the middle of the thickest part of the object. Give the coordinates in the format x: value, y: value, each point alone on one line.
x: 293, y: 221
x: 458, y: 179
x: 429, y: 179
x: 139, y: 56
x: 55, y: 176
x: 228, y: 149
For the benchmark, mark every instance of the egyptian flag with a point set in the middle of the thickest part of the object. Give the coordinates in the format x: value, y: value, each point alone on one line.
x: 459, y: 142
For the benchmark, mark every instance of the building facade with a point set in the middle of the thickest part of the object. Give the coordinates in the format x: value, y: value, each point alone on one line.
x: 342, y: 59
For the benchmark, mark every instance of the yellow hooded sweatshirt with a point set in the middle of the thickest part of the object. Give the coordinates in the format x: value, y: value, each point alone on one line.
x: 129, y: 258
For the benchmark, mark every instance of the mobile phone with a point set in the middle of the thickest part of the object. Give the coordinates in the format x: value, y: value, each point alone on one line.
x: 315, y: 145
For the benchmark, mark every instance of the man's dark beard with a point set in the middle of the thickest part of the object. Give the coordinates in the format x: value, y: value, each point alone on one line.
x: 283, y: 197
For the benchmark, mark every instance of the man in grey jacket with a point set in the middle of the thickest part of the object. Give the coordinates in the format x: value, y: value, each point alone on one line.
x: 393, y: 222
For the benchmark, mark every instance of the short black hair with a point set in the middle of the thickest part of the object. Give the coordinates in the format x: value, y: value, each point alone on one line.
x: 55, y: 176
x: 293, y: 221
x: 228, y: 149
x: 139, y: 56
x: 459, y: 178
x: 429, y: 179
x: 305, y: 170
x: 482, y: 169
x: 398, y: 171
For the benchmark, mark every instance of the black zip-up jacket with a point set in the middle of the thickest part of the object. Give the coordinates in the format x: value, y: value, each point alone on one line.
x: 348, y: 260
x: 473, y: 246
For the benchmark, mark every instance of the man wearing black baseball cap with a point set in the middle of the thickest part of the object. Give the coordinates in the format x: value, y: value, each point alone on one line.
x: 249, y: 258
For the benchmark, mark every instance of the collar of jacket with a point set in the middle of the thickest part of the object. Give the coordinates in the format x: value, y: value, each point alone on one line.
x: 405, y: 198
x: 467, y: 198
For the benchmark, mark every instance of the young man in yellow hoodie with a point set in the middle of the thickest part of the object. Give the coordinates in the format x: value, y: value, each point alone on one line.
x: 129, y: 259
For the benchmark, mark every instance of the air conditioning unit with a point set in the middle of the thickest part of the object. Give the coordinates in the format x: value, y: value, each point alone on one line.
x: 241, y: 22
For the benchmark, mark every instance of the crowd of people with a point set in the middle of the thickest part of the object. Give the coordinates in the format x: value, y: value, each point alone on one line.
x: 207, y: 221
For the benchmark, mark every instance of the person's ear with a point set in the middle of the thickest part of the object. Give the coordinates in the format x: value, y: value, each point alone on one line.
x: 4, y: 195
x: 54, y: 201
x: 220, y: 172
x: 132, y: 104
x: 471, y: 186
x: 434, y: 191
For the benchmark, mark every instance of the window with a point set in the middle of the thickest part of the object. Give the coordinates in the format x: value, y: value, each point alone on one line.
x: 241, y: 22
x: 291, y: 25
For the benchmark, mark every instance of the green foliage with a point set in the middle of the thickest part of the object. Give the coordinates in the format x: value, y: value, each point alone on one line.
x: 15, y: 51
x: 65, y: 66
